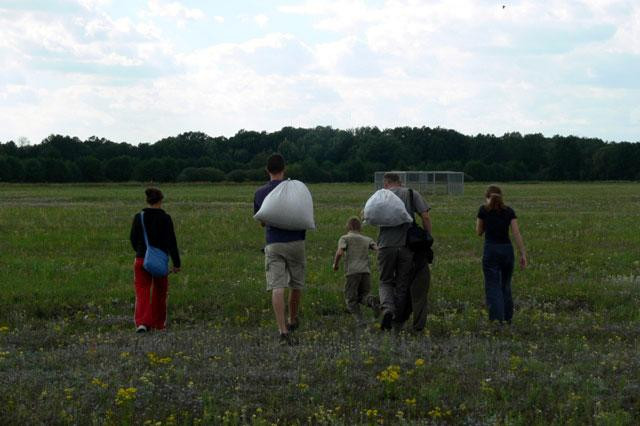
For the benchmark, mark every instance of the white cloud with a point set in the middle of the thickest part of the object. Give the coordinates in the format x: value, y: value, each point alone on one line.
x: 261, y: 20
x: 627, y: 38
x: 553, y: 67
x: 174, y: 10
x: 93, y: 4
x: 50, y: 42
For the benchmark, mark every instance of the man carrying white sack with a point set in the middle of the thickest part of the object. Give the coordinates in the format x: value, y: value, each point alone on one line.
x: 395, y: 259
x: 284, y: 257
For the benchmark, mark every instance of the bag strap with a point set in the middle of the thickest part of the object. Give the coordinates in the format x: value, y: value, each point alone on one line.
x: 413, y: 207
x: 144, y: 231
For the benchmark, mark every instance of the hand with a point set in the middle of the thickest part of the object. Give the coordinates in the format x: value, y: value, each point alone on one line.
x: 335, y: 266
x: 523, y: 261
x: 175, y: 270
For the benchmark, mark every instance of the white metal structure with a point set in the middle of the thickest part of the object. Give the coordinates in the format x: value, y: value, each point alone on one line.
x: 428, y: 182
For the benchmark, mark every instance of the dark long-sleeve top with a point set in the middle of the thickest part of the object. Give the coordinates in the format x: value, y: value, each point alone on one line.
x: 160, y: 233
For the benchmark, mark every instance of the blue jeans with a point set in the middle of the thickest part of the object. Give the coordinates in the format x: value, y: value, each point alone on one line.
x: 497, y: 266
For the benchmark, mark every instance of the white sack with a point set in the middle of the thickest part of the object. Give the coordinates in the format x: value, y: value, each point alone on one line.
x: 288, y: 206
x: 384, y: 208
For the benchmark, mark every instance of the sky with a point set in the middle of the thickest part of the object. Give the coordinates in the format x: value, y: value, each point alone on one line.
x: 139, y: 71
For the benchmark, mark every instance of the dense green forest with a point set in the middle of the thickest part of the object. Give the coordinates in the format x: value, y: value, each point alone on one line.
x: 321, y: 154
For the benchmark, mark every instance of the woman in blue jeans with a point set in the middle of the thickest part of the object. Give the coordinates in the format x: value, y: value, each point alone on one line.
x: 494, y: 220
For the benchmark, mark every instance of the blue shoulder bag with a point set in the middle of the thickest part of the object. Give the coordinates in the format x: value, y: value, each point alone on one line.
x: 156, y: 261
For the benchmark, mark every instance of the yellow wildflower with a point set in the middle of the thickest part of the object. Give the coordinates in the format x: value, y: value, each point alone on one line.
x: 390, y: 374
x: 99, y: 383
x: 155, y: 359
x: 68, y: 392
x: 125, y: 394
x: 435, y: 413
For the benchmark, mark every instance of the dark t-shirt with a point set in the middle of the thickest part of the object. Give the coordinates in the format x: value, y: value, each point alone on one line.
x: 496, y: 224
x: 160, y: 233
x: 274, y: 235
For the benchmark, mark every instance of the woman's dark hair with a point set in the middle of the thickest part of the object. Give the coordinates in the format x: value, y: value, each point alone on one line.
x: 353, y: 224
x: 154, y: 195
x: 275, y: 164
x: 493, y: 194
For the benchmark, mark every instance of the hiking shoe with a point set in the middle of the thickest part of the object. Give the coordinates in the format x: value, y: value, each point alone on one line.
x: 286, y: 339
x: 293, y: 326
x: 387, y: 319
x: 142, y: 329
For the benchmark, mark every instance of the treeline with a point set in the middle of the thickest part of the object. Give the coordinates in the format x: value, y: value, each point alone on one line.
x: 321, y: 154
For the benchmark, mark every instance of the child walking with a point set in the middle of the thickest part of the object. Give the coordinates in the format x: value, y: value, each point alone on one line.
x: 355, y: 248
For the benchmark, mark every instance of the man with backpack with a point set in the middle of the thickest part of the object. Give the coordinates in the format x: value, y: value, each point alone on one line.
x: 395, y: 259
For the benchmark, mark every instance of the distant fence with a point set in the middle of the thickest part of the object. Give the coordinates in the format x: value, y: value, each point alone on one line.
x: 451, y: 183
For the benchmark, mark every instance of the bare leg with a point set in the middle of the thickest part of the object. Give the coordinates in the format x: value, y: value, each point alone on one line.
x: 277, y: 299
x: 294, y: 302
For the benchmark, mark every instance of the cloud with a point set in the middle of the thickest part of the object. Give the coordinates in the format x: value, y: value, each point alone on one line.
x: 75, y: 43
x: 261, y: 20
x: 174, y: 10
x: 478, y: 65
x: 553, y: 67
x: 93, y: 4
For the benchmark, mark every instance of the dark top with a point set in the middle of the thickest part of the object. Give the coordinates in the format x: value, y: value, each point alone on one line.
x: 160, y: 233
x: 274, y: 235
x: 496, y: 224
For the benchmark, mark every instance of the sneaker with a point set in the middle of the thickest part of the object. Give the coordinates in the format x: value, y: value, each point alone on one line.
x: 387, y: 318
x: 293, y: 326
x: 142, y: 329
x: 286, y: 339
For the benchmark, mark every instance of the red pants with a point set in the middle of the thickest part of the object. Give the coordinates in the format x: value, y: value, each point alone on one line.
x: 151, y: 310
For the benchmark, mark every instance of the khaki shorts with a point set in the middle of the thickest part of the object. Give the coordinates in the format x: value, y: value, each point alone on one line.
x: 284, y: 264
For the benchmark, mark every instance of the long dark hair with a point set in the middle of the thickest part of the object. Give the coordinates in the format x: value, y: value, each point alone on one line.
x: 493, y: 194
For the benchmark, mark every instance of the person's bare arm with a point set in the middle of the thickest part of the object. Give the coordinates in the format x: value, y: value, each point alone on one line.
x: 336, y: 259
x: 426, y: 221
x: 479, y: 227
x: 518, y: 237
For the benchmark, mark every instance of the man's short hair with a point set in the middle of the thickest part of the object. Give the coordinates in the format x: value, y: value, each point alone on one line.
x: 392, y: 178
x: 275, y: 164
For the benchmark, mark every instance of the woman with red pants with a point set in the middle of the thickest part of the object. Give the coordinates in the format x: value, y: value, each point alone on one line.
x: 151, y: 292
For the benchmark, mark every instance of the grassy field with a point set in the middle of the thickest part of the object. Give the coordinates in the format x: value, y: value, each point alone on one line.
x: 68, y: 353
